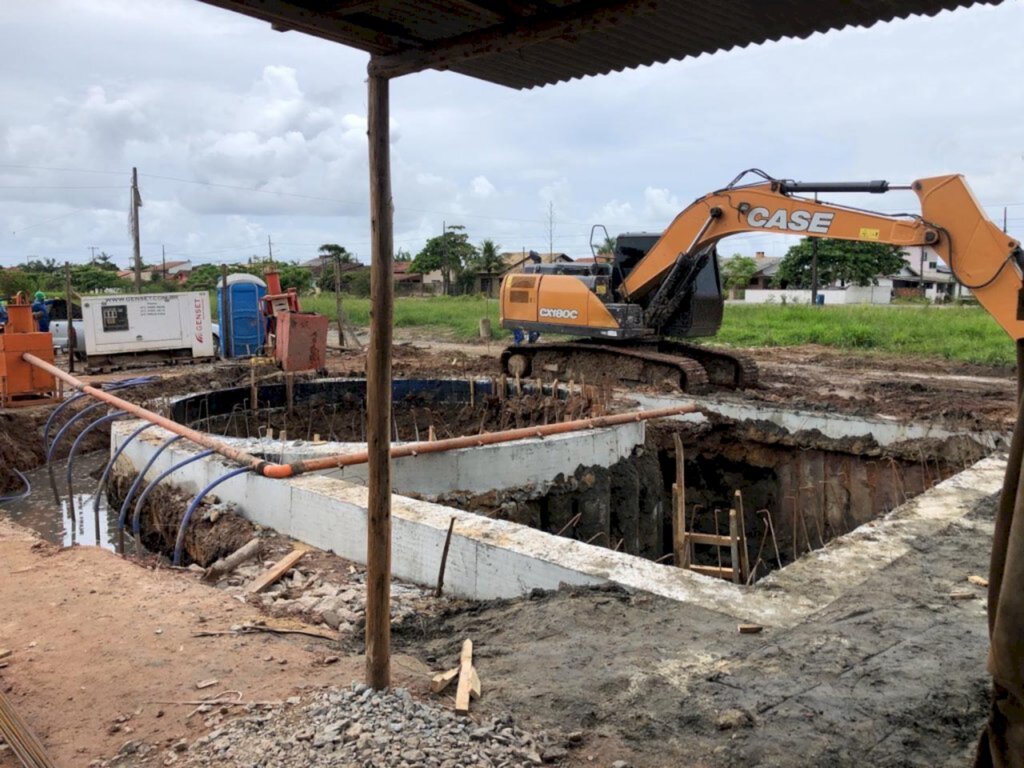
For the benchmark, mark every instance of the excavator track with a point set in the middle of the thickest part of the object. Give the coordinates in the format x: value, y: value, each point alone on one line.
x: 684, y: 366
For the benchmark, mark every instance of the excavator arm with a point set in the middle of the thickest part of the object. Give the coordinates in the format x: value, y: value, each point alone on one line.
x: 951, y: 222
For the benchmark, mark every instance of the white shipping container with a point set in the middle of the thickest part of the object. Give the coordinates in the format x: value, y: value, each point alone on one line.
x: 176, y: 324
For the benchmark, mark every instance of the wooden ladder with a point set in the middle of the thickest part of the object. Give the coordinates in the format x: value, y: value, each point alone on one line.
x: 684, y: 540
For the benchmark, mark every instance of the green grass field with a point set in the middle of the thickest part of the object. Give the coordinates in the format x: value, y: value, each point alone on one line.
x: 455, y: 317
x: 964, y: 334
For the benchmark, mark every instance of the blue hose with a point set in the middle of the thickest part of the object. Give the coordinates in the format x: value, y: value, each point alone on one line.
x: 81, y: 437
x: 110, y: 465
x: 54, y: 414
x: 179, y: 542
x: 135, y: 483
x: 18, y: 496
x: 63, y: 430
x: 137, y: 517
x: 114, y: 385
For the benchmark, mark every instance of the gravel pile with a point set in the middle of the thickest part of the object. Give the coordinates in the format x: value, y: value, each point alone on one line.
x: 357, y: 727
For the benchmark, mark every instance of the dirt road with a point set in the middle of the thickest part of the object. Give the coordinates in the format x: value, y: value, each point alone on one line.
x: 103, y: 650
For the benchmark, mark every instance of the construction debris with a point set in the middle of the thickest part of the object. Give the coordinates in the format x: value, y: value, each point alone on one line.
x: 279, y: 569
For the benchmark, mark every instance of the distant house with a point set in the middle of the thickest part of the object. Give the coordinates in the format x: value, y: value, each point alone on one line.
x: 924, y: 273
x: 405, y: 281
x: 767, y: 269
x: 172, y: 271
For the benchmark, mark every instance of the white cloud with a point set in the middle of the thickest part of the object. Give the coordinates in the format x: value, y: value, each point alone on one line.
x: 482, y: 187
x: 274, y: 127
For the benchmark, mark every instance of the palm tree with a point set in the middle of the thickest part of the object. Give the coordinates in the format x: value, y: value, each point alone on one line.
x: 607, y: 247
x: 335, y: 251
x: 489, y: 259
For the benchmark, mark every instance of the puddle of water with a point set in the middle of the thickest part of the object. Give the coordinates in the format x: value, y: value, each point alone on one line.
x: 72, y: 523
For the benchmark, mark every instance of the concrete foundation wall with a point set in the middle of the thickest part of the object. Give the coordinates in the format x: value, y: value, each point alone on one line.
x: 495, y: 558
x: 535, y: 462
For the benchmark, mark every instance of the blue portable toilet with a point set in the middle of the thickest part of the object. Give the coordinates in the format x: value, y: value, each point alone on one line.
x: 243, y: 335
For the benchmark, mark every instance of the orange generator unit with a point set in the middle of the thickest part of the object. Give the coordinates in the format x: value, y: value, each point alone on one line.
x: 22, y: 384
x: 298, y: 340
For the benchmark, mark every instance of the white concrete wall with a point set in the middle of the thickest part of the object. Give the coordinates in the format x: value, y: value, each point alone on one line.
x: 535, y: 462
x: 872, y: 294
x: 495, y: 558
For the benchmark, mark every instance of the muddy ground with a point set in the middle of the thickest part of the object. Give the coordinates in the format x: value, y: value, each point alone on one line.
x: 891, y: 674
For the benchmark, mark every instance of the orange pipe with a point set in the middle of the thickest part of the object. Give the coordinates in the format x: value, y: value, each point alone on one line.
x: 488, y: 438
x: 279, y: 471
x: 199, y: 438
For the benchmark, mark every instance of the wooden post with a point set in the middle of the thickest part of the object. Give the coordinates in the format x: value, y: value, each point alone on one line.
x: 337, y: 302
x: 225, y: 306
x: 734, y: 537
x: 680, y: 543
x: 378, y: 390
x: 744, y: 554
x: 72, y: 336
x: 136, y: 249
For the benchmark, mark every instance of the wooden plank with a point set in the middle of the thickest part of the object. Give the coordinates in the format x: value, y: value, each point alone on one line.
x: 744, y: 563
x: 734, y: 537
x: 680, y: 546
x: 712, y: 570
x: 280, y: 568
x: 710, y: 539
x: 227, y: 564
x: 378, y: 392
x: 465, y: 678
x: 442, y: 680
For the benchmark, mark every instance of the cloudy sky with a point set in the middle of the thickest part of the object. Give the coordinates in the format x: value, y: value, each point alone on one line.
x: 240, y: 133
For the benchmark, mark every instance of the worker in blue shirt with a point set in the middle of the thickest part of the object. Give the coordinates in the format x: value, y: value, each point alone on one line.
x: 3, y: 313
x: 40, y: 313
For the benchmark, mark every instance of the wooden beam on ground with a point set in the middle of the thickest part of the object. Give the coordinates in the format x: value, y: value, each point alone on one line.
x: 227, y: 564
x: 569, y: 22
x: 469, y: 681
x: 280, y: 568
x: 378, y: 391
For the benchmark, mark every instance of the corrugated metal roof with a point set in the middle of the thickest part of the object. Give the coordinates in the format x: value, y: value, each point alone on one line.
x: 632, y: 34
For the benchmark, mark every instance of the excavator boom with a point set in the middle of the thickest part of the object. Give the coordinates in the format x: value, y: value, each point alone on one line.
x: 673, y: 289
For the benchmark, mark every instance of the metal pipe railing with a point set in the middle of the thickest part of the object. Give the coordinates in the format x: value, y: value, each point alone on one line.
x: 280, y: 471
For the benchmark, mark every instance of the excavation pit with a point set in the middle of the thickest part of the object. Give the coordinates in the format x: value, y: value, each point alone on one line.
x: 606, y: 494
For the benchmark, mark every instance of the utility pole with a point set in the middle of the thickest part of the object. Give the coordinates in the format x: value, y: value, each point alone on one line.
x: 136, y: 204
x: 445, y: 274
x: 92, y: 259
x: 551, y: 226
x: 924, y: 290
x: 814, y: 264
x: 72, y: 340
x: 163, y: 258
x: 270, y: 250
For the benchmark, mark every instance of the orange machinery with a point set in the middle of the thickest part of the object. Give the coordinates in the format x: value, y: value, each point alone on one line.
x: 298, y: 339
x: 22, y: 384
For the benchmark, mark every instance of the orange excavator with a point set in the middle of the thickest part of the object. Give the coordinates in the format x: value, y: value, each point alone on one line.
x: 630, y: 310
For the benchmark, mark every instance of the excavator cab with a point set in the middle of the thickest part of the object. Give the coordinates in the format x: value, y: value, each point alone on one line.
x: 700, y: 303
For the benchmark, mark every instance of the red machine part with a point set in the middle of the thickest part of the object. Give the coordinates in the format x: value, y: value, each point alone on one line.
x: 22, y: 384
x: 301, y: 341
